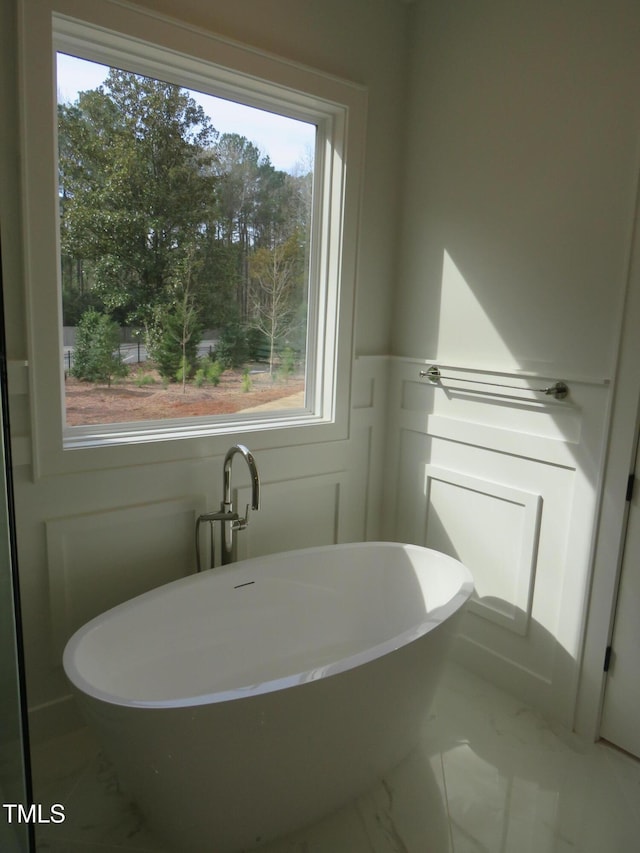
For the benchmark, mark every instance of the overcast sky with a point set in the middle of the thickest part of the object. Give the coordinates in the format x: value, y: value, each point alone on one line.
x: 285, y: 140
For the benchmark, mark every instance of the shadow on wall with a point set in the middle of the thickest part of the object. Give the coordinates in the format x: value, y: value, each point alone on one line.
x: 502, y: 627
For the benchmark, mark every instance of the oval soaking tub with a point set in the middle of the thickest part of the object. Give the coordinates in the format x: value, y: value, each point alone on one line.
x: 243, y: 703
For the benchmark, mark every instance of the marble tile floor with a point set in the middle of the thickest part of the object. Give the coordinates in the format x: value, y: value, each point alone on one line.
x: 490, y: 776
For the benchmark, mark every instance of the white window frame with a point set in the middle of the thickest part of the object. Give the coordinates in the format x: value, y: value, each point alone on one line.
x: 119, y: 34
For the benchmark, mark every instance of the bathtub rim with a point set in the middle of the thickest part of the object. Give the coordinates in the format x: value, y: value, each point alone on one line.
x: 433, y: 619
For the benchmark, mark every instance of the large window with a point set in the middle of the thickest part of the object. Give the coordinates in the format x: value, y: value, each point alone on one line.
x: 191, y: 222
x: 185, y: 225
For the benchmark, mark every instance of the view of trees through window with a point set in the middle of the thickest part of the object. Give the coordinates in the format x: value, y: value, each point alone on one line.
x: 184, y: 254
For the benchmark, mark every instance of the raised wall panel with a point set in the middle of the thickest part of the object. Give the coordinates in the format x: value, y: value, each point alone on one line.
x: 97, y: 560
x: 293, y: 514
x: 494, y: 530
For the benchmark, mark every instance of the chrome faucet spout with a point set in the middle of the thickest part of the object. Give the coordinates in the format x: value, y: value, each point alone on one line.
x: 253, y: 470
x: 230, y: 520
x: 227, y: 551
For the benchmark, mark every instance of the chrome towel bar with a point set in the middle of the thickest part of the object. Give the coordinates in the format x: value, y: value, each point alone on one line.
x: 559, y: 389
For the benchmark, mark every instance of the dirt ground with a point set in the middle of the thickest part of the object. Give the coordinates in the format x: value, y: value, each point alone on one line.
x: 130, y: 400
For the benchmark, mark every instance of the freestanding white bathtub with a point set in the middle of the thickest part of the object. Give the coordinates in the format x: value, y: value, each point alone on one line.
x: 245, y: 702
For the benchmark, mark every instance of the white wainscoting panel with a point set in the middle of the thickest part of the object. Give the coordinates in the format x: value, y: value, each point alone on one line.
x: 491, y: 470
x: 293, y: 514
x: 495, y: 529
x: 97, y: 560
x: 364, y: 506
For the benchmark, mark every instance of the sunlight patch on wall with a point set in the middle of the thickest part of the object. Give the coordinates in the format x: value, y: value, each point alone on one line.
x: 467, y: 336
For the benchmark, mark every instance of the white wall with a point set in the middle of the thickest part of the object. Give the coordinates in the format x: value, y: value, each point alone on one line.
x: 518, y: 209
x: 90, y: 539
x: 520, y: 183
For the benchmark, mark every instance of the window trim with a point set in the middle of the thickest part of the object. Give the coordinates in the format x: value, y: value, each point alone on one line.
x: 118, y: 33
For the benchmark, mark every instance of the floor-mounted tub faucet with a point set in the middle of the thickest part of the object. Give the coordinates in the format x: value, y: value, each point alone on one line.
x: 233, y: 524
x: 227, y: 516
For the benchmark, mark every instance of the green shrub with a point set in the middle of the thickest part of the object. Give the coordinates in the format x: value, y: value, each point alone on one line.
x: 173, y: 341
x: 141, y: 379
x: 214, y: 372
x: 96, y: 357
x: 211, y: 371
x: 258, y: 345
x: 287, y: 362
x: 232, y: 349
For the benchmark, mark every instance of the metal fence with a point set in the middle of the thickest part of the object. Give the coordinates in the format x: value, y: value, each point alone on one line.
x: 134, y: 353
x: 131, y: 349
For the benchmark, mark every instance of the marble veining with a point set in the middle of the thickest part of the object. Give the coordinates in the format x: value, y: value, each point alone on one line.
x: 490, y: 776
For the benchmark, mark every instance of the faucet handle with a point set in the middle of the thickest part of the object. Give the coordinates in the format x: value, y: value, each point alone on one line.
x: 242, y: 523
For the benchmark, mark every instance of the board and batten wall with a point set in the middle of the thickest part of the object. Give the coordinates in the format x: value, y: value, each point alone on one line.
x: 484, y: 467
x: 520, y: 185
